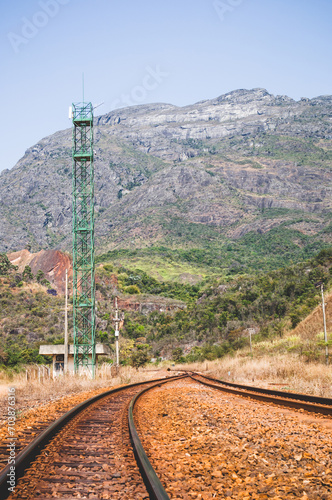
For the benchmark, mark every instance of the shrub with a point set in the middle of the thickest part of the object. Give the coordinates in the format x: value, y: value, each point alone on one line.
x: 140, y: 356
x: 108, y: 267
x: 131, y: 289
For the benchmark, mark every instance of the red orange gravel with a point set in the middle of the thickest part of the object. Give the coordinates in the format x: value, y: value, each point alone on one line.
x: 91, y: 457
x: 34, y: 421
x: 205, y: 444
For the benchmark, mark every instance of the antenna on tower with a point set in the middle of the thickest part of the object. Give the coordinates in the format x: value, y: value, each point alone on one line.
x: 95, y: 107
x: 83, y: 86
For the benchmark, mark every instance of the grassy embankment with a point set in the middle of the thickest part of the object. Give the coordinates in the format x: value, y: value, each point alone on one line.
x: 285, y: 372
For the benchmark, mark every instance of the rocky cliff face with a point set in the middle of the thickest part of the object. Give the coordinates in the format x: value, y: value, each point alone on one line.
x: 52, y: 262
x: 162, y: 171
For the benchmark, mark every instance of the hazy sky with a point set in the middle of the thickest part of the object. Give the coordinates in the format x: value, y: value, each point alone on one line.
x: 141, y: 51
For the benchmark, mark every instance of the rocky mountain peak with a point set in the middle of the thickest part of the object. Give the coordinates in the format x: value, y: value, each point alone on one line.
x: 214, y: 165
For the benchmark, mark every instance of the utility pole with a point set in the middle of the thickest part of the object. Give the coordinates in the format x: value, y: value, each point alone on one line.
x: 320, y: 285
x: 117, y: 320
x: 324, y: 320
x: 250, y: 343
x: 66, y: 327
x: 251, y: 331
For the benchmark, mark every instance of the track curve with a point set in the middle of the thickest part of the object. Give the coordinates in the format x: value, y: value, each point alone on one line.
x: 207, y: 443
x: 75, y: 455
x: 94, y: 451
x: 313, y: 404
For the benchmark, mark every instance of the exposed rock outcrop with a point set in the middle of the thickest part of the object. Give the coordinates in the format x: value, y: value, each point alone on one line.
x: 217, y: 163
x: 53, y: 263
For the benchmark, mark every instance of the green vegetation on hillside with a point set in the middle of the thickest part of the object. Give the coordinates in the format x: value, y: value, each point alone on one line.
x: 137, y: 281
x: 160, y: 263
x: 213, y: 318
x: 300, y: 150
x: 27, y: 320
x: 27, y: 316
x: 220, y: 319
x: 252, y: 253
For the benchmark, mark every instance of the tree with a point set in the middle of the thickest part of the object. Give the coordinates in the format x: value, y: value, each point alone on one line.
x: 39, y: 276
x: 140, y: 356
x: 27, y: 274
x: 126, y: 348
x: 177, y: 354
x: 5, y: 264
x: 103, y: 337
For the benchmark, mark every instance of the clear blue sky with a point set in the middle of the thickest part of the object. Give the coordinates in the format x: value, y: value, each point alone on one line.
x: 140, y: 51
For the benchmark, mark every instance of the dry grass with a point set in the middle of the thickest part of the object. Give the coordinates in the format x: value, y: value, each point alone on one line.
x: 312, y: 325
x: 33, y: 394
x: 286, y: 371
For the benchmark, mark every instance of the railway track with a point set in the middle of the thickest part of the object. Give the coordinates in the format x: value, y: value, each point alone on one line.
x: 33, y: 420
x: 94, y: 450
x: 312, y: 404
x: 206, y: 443
x: 88, y: 453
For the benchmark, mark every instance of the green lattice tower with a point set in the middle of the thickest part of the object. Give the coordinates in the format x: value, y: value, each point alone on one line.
x: 83, y: 240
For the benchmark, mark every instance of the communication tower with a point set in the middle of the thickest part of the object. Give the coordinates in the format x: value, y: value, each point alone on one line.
x: 83, y: 239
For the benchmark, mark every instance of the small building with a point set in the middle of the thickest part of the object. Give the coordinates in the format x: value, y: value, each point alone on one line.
x: 57, y: 351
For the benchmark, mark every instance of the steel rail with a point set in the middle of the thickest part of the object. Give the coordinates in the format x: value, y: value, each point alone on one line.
x: 28, y: 454
x: 266, y: 397
x: 273, y: 392
x: 151, y: 480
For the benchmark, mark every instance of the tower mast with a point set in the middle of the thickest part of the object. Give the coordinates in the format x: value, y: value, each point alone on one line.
x: 83, y: 239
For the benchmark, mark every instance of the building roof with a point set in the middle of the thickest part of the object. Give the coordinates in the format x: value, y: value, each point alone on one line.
x: 50, y: 350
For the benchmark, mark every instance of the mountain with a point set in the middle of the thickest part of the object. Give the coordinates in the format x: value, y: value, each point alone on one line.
x: 235, y: 170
